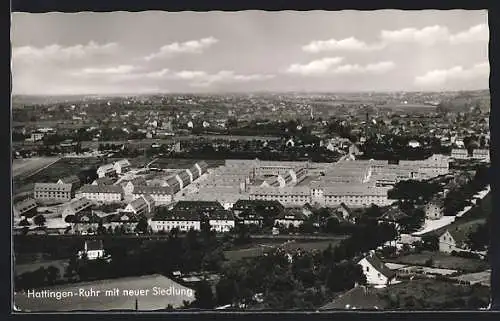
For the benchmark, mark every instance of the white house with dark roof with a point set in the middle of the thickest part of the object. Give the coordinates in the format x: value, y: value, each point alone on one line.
x: 72, y: 179
x: 53, y: 192
x: 93, y: 249
x: 376, y: 272
x: 290, y: 217
x: 221, y: 221
x: 143, y: 205
x: 104, y: 181
x: 106, y: 170
x: 160, y: 195
x: 168, y: 220
x: 76, y: 206
x: 101, y: 193
x: 174, y: 184
x: 121, y: 166
x: 455, y: 238
x: 128, y: 186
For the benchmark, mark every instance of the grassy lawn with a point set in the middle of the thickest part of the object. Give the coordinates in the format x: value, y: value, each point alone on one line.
x: 444, y: 261
x: 259, y: 249
x: 61, y: 168
x: 432, y: 294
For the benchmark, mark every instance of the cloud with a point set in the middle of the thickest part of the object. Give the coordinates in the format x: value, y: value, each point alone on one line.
x: 315, y: 67
x: 425, y: 36
x: 435, y: 34
x: 348, y: 44
x: 458, y: 73
x: 189, y: 47
x: 118, y: 70
x: 127, y: 73
x: 203, y: 79
x: 475, y: 33
x: 55, y: 52
x: 330, y: 66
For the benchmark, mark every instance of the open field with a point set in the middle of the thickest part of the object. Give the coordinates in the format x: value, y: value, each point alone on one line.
x: 30, y: 166
x: 60, y: 168
x: 483, y: 278
x: 443, y: 261
x: 258, y: 249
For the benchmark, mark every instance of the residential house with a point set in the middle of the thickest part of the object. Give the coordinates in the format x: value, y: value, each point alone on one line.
x: 344, y: 213
x: 72, y: 179
x: 250, y: 217
x: 174, y: 184
x: 202, y: 167
x: 198, y: 206
x: 25, y: 208
x: 104, y: 181
x: 121, y: 166
x: 263, y: 207
x: 128, y: 186
x: 76, y: 206
x: 195, y: 172
x: 101, y: 193
x: 143, y: 205
x: 289, y: 218
x: 455, y: 238
x: 160, y: 195
x: 165, y: 221
x: 85, y: 222
x: 221, y: 220
x: 126, y: 221
x: 393, y: 215
x: 53, y: 192
x: 434, y: 210
x: 107, y: 170
x: 376, y: 272
x: 183, y: 178
x: 93, y: 249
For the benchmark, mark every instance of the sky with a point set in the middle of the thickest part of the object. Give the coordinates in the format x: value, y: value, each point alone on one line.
x: 313, y: 51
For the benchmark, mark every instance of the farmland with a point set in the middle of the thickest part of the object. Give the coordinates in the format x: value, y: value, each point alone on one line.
x: 60, y: 168
x: 23, y: 168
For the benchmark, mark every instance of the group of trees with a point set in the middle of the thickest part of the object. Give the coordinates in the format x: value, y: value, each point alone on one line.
x: 296, y: 279
x: 460, y: 197
x: 42, y: 276
x: 479, y: 238
x: 416, y: 192
x: 284, y: 280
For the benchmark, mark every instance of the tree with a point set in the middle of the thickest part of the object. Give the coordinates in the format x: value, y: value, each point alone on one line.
x: 52, y: 274
x: 39, y: 220
x: 226, y: 291
x: 69, y: 219
x: 142, y: 226
x: 204, y: 297
x: 479, y: 239
x: 430, y: 243
x: 101, y: 230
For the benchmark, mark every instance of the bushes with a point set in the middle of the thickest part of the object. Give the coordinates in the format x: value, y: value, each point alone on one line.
x: 467, y: 255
